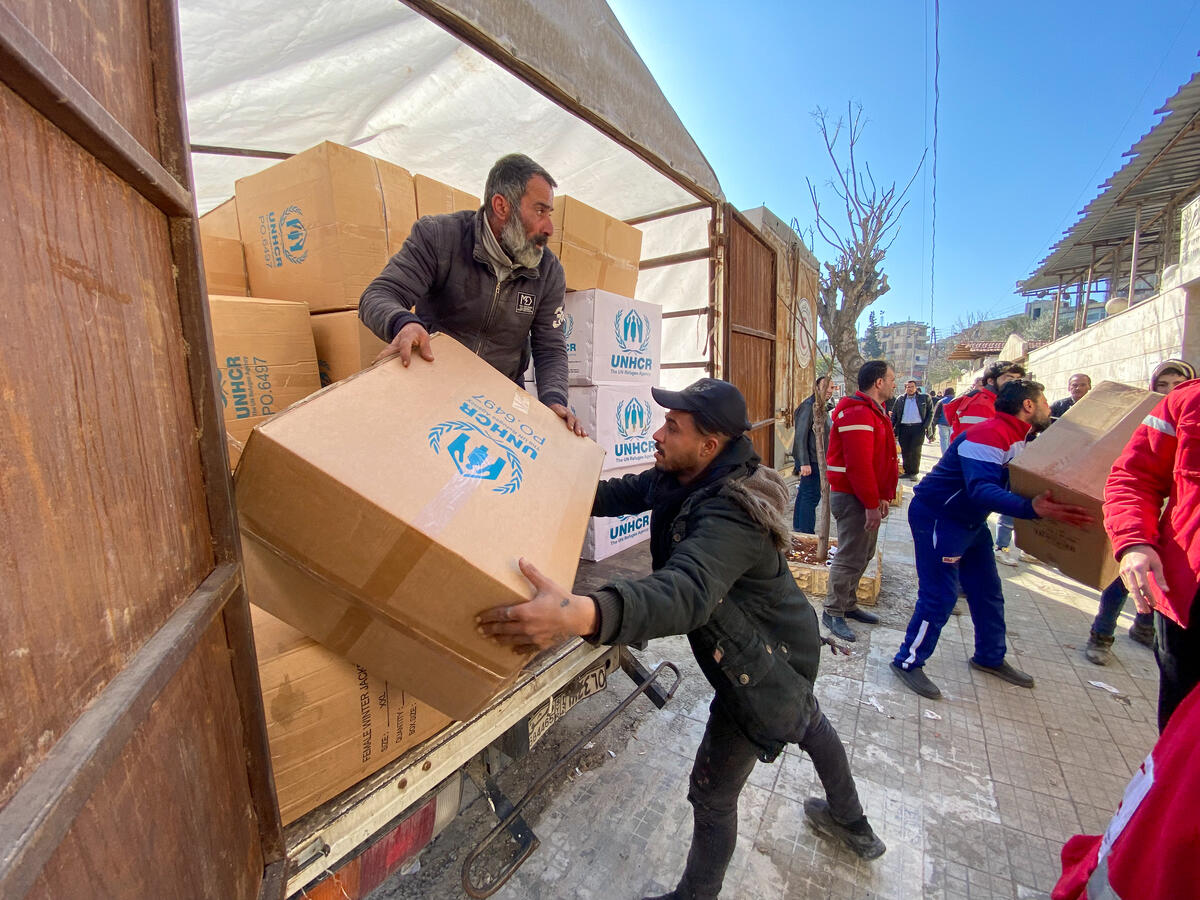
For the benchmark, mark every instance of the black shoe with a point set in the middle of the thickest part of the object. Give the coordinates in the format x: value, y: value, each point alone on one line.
x: 671, y: 896
x: 1099, y: 648
x: 861, y: 615
x: 918, y: 682
x: 1006, y: 672
x: 837, y: 627
x: 1143, y: 634
x: 861, y: 839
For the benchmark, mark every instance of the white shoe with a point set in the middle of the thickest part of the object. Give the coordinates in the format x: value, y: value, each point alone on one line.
x: 1003, y: 557
x: 1026, y: 558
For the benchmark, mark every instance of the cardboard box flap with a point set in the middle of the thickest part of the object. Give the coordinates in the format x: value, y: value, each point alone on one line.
x: 1078, y: 451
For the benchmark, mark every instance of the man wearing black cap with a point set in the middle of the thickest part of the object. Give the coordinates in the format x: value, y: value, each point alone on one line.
x: 718, y: 527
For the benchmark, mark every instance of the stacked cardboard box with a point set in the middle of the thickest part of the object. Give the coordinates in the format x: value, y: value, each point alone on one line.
x: 330, y: 723
x: 379, y: 517
x: 596, y: 250
x: 614, y: 347
x: 266, y: 360
x: 435, y: 198
x: 221, y: 248
x: 344, y: 345
x: 1072, y: 459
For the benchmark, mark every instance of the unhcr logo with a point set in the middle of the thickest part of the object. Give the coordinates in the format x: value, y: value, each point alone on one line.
x: 295, y: 235
x: 477, y: 455
x: 632, y: 330
x: 633, y: 426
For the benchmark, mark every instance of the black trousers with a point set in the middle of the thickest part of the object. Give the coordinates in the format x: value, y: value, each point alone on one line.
x: 910, y: 438
x: 1178, y: 653
x: 723, y: 763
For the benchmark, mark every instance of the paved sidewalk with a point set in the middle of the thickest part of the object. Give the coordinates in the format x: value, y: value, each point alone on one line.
x: 974, y: 794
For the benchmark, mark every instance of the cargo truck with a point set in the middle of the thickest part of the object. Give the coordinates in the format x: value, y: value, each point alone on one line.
x: 135, y: 760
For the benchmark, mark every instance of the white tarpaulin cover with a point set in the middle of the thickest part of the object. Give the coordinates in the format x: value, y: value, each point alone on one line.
x: 375, y: 75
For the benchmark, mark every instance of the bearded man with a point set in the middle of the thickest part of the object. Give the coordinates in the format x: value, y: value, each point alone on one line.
x: 486, y: 279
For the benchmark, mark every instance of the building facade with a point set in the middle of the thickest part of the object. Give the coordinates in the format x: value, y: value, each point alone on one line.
x: 906, y: 346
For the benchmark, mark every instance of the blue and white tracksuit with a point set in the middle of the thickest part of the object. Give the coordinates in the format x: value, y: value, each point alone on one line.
x: 948, y: 518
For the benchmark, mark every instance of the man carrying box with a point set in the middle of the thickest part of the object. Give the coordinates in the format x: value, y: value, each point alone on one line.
x: 1159, y: 548
x: 948, y: 517
x: 718, y: 528
x: 486, y: 279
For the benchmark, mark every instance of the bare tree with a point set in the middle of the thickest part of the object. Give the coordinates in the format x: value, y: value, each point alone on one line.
x: 855, y: 279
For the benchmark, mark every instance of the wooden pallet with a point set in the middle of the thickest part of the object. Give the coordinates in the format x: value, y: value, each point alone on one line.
x: 814, y: 580
x: 899, y: 495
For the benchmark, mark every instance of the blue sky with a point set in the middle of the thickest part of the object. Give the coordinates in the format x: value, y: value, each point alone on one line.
x: 1038, y: 103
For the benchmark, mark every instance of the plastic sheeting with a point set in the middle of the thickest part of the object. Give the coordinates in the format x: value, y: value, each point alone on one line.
x: 375, y: 75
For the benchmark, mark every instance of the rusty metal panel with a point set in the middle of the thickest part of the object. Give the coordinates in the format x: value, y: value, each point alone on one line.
x: 104, y: 516
x: 173, y: 816
x: 750, y: 326
x: 134, y: 760
x: 106, y: 45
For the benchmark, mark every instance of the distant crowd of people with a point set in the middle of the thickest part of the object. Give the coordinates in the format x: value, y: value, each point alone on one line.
x: 874, y: 439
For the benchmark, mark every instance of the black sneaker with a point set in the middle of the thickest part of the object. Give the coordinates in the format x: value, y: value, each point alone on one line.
x: 1006, y: 672
x: 861, y: 615
x: 837, y: 627
x: 918, y: 682
x: 861, y: 839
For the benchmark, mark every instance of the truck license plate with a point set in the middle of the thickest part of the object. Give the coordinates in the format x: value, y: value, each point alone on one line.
x: 590, y: 682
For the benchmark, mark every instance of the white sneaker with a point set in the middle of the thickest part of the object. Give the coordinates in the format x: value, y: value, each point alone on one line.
x: 1026, y: 558
x: 1003, y: 557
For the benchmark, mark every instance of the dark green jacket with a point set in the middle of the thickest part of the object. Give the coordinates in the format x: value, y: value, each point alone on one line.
x: 720, y: 576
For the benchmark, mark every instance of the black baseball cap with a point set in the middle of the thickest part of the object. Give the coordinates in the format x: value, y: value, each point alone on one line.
x: 718, y: 404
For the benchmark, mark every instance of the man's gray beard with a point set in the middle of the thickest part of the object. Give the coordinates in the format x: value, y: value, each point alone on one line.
x: 520, y: 248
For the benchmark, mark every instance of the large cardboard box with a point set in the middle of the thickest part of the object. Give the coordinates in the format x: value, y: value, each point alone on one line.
x: 1072, y: 458
x: 383, y: 513
x: 344, y: 345
x: 622, y: 418
x: 320, y: 226
x: 224, y: 265
x: 222, y: 221
x: 266, y: 359
x: 330, y: 723
x: 596, y: 250
x: 609, y: 535
x: 436, y: 199
x: 611, y: 338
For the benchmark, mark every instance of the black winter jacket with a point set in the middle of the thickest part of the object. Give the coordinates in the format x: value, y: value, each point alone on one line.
x: 443, y: 272
x: 720, y: 576
x: 804, y: 441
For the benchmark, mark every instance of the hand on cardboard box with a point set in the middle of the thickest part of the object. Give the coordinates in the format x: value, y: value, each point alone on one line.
x: 553, y: 615
x: 569, y: 418
x: 411, y: 335
x: 1142, y: 572
x: 1049, y: 508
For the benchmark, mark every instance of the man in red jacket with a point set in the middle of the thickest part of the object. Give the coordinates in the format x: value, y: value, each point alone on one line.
x: 863, y: 475
x: 1148, y: 851
x: 1159, y: 549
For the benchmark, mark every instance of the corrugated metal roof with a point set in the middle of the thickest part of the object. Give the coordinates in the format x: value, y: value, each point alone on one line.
x: 1164, y: 164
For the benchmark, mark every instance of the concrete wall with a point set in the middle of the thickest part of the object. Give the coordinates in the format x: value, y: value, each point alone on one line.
x: 1127, y: 346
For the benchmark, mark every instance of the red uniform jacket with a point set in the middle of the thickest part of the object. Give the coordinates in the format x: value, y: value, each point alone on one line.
x: 862, y: 451
x: 1162, y: 462
x: 970, y: 409
x: 1149, y: 849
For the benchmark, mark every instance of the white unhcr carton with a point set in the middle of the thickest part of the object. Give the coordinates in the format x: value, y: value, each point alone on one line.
x: 611, y: 338
x: 609, y: 535
x: 622, y: 419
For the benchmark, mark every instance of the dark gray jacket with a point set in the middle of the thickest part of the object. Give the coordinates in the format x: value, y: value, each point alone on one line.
x: 924, y: 410
x: 442, y: 279
x: 804, y: 443
x: 720, y: 577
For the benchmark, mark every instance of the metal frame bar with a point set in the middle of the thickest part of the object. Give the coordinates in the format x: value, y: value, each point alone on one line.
x: 206, y: 403
x: 42, y: 811
x: 682, y: 313
x: 34, y: 73
x: 674, y: 259
x: 668, y: 213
